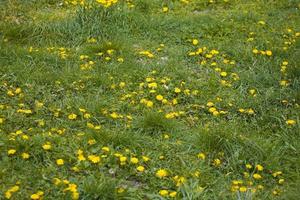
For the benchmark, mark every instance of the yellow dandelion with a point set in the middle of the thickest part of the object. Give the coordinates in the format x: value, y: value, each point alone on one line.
x: 60, y: 162
x: 161, y: 173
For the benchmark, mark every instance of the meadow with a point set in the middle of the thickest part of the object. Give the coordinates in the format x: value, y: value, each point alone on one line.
x: 150, y: 99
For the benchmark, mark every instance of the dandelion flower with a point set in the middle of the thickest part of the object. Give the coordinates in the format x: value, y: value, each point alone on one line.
x: 163, y: 192
x: 25, y: 156
x: 161, y: 173
x: 140, y: 168
x: 94, y: 159
x: 259, y: 167
x: 47, y: 146
x: 195, y: 42
x: 290, y: 122
x: 165, y: 9
x: 11, y: 152
x: 159, y: 97
x: 134, y: 160
x: 72, y: 116
x: 60, y: 162
x: 177, y: 90
x: 257, y: 176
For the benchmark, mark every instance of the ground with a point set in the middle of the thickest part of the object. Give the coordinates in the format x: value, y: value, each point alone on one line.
x: 149, y: 99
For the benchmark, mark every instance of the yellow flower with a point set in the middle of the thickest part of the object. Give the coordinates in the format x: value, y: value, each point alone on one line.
x: 10, y: 93
x: 159, y: 97
x: 92, y: 141
x: 260, y: 187
x: 201, y: 156
x: 75, y: 195
x: 81, y: 157
x: 290, y: 122
x: 275, y: 174
x: 241, y: 110
x: 152, y: 85
x: 123, y: 159
x: 257, y: 176
x: 10, y: 191
x: 237, y: 182
x: 114, y: 115
x: 91, y: 40
x: 252, y: 92
x: 75, y: 169
x: 110, y: 51
x: 248, y: 166
x: 223, y: 74
x: 243, y: 189
x: 87, y: 115
x: 18, y: 90
x: 35, y: 196
x: 276, y: 192
x: 210, y: 104
x: 179, y: 180
x: 14, y: 188
x: 281, y: 181
x: 149, y: 104
x: 177, y: 90
x: 60, y: 162
x: 165, y: 9
x: 47, y: 146
x: 107, y: 3
x: 120, y: 60
x: 197, y: 173
x: 25, y: 111
x: 140, y: 168
x: 212, y: 109
x: 217, y: 162
x: 246, y: 174
x: 173, y: 194
x: 11, y: 151
x: 216, y: 113
x: 195, y: 42
x: 134, y: 160
x: 259, y: 167
x: 145, y: 158
x: 8, y: 194
x: 163, y: 192
x: 208, y: 55
x: 269, y: 53
x: 120, y: 190
x: 39, y: 104
x: 192, y: 53
x: 161, y: 173
x: 94, y: 159
x: 122, y: 84
x: 255, y: 51
x: 174, y: 101
x: 106, y: 149
x: 25, y: 156
x: 284, y: 83
x: 72, y: 116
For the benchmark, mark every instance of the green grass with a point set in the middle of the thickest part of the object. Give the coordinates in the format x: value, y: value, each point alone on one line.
x: 222, y: 109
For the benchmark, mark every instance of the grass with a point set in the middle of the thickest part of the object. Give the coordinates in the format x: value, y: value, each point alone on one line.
x: 95, y: 101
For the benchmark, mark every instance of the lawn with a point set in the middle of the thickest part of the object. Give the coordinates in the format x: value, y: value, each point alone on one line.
x: 150, y: 99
